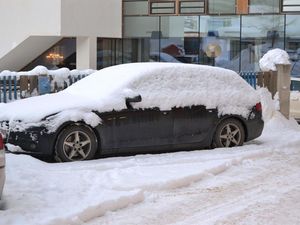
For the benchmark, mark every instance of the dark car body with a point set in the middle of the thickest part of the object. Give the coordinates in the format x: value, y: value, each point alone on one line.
x: 149, y: 130
x: 154, y: 112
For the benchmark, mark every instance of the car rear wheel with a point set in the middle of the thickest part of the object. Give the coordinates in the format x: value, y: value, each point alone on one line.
x: 76, y: 143
x: 229, y: 133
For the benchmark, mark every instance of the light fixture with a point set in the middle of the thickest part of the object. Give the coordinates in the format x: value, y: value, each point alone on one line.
x: 54, y: 56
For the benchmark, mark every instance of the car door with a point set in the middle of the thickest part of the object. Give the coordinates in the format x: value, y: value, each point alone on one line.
x: 192, y: 125
x: 136, y: 130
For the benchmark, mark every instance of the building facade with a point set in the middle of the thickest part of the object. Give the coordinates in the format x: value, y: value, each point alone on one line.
x: 233, y: 34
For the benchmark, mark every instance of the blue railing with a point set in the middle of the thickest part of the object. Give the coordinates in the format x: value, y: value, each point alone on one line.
x: 250, y: 77
x: 11, y: 88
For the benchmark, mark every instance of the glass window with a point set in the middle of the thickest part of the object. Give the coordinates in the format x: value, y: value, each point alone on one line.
x: 220, y: 41
x: 163, y: 7
x: 264, y: 6
x: 291, y: 6
x: 62, y: 54
x: 292, y: 42
x: 192, y: 7
x: 109, y: 52
x: 180, y: 39
x: 136, y: 7
x: 141, y: 38
x: 221, y: 7
x: 259, y: 35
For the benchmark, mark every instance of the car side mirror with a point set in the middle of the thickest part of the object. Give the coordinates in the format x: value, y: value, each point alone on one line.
x: 128, y: 101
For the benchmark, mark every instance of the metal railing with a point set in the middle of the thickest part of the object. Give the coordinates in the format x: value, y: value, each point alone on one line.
x: 19, y: 87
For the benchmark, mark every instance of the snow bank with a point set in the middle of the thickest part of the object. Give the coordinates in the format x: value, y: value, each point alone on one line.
x: 271, y: 58
x: 86, y: 190
x: 268, y: 104
x: 42, y: 70
x: 162, y: 85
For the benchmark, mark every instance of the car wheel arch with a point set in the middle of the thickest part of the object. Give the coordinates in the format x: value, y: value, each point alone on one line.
x: 79, y: 123
x: 235, y: 117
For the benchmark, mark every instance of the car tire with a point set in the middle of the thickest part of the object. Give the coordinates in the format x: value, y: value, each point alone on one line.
x: 229, y: 133
x: 76, y: 142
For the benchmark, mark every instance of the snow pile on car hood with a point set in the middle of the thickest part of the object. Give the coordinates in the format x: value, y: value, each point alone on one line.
x: 271, y: 58
x: 163, y: 85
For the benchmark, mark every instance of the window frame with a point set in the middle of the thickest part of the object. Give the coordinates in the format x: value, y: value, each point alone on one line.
x: 288, y: 12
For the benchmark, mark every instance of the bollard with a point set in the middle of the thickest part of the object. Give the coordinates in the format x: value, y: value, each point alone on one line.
x: 283, y: 87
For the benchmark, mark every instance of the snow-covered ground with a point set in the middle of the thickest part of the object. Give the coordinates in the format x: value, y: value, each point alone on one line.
x: 258, y: 183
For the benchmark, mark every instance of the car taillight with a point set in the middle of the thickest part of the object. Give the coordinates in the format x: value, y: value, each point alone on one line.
x: 258, y: 107
x: 1, y: 143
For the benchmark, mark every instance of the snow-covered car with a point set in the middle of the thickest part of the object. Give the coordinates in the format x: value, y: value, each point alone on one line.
x: 135, y: 108
x: 295, y: 98
x: 2, y: 165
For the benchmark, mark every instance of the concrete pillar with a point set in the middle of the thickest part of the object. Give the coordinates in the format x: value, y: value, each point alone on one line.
x: 283, y: 87
x: 86, y: 52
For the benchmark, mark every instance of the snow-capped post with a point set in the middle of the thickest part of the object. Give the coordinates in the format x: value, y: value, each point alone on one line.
x: 278, y: 60
x: 283, y: 87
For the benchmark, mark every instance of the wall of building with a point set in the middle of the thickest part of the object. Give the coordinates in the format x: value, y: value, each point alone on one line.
x: 20, y: 19
x: 29, y: 28
x: 102, y: 18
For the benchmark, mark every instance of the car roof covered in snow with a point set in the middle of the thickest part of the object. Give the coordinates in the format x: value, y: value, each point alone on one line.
x: 163, y: 85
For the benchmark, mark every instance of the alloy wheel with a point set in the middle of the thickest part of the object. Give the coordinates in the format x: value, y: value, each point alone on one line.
x: 77, y: 145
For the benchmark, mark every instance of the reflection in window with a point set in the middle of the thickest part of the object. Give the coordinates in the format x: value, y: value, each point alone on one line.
x: 221, y: 6
x: 220, y: 41
x: 264, y: 6
x: 292, y: 42
x: 180, y: 39
x: 109, y: 52
x: 259, y: 35
x: 141, y: 38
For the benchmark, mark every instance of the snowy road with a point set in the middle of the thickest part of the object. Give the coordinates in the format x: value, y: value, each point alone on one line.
x: 258, y: 183
x: 266, y: 191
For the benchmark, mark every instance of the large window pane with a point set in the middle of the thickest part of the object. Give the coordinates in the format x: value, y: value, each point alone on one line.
x: 109, y: 52
x: 264, y: 6
x: 259, y: 35
x: 293, y: 42
x: 180, y: 39
x: 141, y: 38
x: 221, y: 6
x: 220, y: 41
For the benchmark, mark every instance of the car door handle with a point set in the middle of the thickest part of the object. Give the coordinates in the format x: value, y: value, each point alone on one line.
x: 122, y: 117
x: 165, y: 113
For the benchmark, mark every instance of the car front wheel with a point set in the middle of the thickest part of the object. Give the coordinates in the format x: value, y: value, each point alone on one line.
x: 76, y: 143
x: 229, y: 133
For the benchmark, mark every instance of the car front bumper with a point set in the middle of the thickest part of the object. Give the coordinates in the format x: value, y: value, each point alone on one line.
x: 35, y: 141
